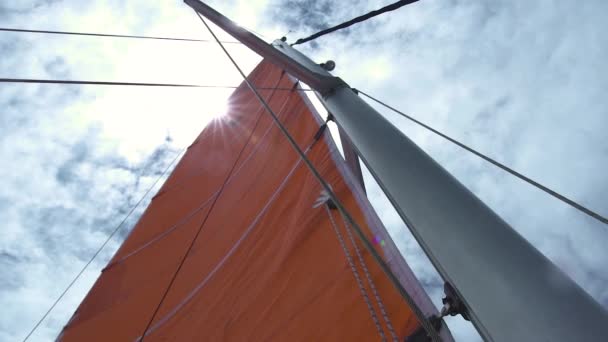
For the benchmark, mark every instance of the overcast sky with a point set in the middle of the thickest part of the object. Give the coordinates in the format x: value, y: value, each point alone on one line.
x: 524, y: 82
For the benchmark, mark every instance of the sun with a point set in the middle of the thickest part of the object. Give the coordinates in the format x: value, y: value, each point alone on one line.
x: 220, y: 109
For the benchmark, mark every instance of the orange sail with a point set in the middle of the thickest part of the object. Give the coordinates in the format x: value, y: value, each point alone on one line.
x: 240, y: 243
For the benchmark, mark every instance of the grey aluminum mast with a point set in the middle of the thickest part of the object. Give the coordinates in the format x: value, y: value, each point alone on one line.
x: 511, y: 291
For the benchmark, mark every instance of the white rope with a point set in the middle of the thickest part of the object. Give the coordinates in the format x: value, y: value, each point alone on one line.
x: 370, y: 281
x: 349, y: 258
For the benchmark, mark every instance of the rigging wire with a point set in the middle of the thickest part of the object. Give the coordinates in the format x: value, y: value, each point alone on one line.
x: 382, y: 264
x: 494, y: 162
x: 6, y: 29
x: 103, y: 245
x: 200, y: 228
x: 356, y: 20
x: 141, y: 84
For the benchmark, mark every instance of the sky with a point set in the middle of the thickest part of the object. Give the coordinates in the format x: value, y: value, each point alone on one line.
x: 523, y: 82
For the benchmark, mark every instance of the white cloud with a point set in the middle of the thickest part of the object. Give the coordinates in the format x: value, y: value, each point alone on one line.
x: 523, y: 82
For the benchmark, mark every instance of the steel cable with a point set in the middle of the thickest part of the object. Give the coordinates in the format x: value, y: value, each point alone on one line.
x: 503, y: 167
x: 142, y: 84
x: 6, y: 29
x: 356, y: 20
x: 102, y: 246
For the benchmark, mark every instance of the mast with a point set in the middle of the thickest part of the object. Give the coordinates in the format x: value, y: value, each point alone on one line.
x: 511, y: 291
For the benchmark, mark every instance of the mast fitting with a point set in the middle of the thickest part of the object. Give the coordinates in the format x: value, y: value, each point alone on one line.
x: 329, y: 65
x: 452, y: 304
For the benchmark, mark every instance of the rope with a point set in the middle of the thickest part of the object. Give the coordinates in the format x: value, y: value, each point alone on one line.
x: 509, y: 170
x: 102, y: 246
x: 200, y: 228
x: 52, y: 81
x: 423, y: 320
x: 356, y: 20
x: 109, y: 35
x: 162, y: 235
x: 370, y: 281
x: 351, y: 263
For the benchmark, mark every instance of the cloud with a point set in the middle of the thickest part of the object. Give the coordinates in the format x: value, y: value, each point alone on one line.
x: 312, y: 15
x: 522, y: 82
